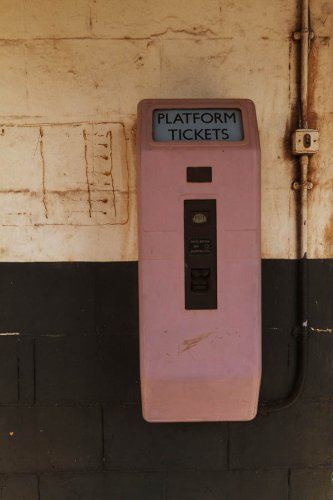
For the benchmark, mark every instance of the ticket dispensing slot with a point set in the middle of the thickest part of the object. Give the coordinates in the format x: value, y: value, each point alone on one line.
x: 199, y: 174
x: 200, y: 254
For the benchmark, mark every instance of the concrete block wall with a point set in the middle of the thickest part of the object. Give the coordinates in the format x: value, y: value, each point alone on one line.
x: 70, y: 415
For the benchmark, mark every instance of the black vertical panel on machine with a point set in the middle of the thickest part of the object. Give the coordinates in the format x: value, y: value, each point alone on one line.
x: 200, y: 254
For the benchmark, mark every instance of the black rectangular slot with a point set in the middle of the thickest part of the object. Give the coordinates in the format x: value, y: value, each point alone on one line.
x: 200, y: 254
x: 199, y: 174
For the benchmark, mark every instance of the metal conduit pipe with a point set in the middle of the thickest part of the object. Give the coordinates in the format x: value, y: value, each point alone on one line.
x: 305, y: 45
x: 303, y: 185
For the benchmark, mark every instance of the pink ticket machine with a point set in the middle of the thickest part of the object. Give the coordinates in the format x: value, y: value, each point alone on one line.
x: 199, y: 259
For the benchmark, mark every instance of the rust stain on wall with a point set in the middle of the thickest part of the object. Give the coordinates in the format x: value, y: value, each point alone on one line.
x: 328, y: 234
x: 76, y: 175
x: 84, y: 133
x: 313, y: 85
x: 109, y: 135
x: 41, y: 150
x: 313, y: 172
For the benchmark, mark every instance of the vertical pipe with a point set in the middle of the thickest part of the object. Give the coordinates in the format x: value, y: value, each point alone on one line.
x: 305, y: 38
x: 269, y: 407
x: 304, y: 163
x: 304, y: 159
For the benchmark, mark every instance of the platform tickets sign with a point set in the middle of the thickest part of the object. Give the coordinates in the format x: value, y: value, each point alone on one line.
x: 175, y: 125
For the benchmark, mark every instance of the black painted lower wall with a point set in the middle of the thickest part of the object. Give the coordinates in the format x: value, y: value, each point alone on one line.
x: 70, y: 421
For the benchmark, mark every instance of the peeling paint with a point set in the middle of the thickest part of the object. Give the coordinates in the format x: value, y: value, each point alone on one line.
x: 197, y: 31
x: 321, y: 330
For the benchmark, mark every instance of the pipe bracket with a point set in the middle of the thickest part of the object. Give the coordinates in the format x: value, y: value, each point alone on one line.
x: 297, y: 186
x: 297, y: 35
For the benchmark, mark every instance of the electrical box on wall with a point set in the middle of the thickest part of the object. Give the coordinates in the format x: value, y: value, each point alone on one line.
x: 199, y: 259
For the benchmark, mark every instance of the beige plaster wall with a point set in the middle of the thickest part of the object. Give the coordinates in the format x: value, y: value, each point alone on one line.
x: 72, y: 73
